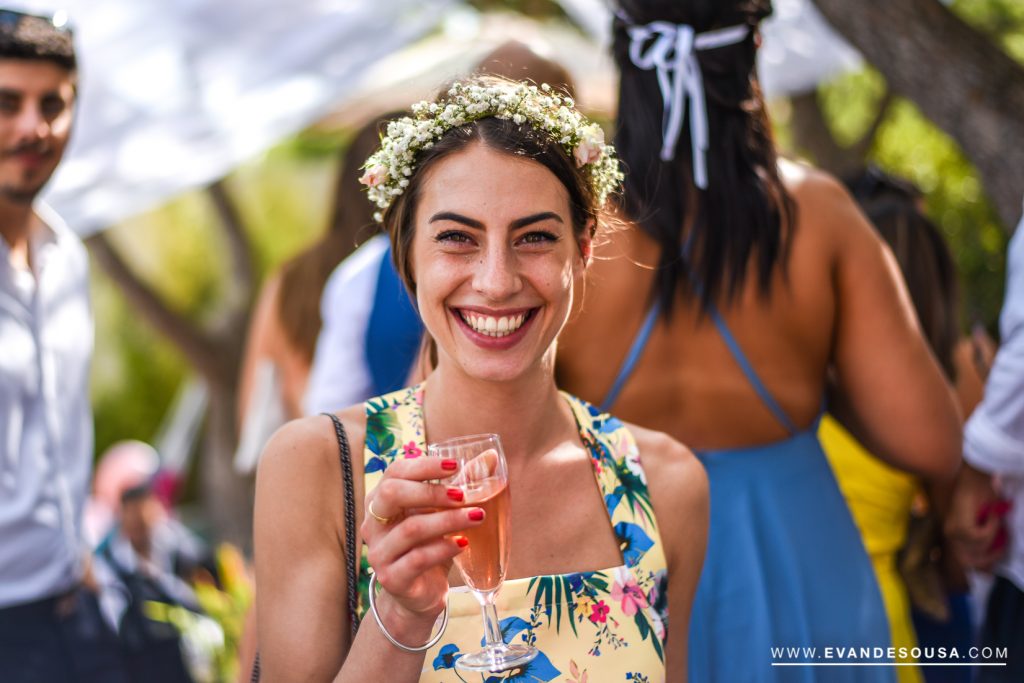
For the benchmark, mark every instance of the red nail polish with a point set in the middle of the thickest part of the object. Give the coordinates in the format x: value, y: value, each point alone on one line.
x: 455, y: 494
x: 449, y: 465
x: 476, y: 514
x: 461, y: 541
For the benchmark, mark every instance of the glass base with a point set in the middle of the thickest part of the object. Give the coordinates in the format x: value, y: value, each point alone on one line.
x: 497, y: 658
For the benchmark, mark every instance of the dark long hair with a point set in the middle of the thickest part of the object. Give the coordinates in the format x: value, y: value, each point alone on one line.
x: 892, y: 205
x: 304, y: 276
x: 745, y: 213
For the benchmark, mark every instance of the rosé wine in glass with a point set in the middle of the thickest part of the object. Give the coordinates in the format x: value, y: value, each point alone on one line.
x: 483, y: 478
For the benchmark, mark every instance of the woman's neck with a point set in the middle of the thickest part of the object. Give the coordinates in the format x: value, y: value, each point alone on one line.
x: 527, y: 413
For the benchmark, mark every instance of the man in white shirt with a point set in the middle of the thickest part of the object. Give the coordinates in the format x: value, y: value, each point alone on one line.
x: 50, y: 628
x: 986, y: 521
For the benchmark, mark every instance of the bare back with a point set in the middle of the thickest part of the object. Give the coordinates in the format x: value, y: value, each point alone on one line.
x: 839, y: 302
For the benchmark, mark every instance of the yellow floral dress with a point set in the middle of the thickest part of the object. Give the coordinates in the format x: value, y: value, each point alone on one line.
x: 591, y: 627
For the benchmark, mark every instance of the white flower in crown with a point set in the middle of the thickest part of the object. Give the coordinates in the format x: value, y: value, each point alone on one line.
x: 591, y: 145
x: 387, y: 170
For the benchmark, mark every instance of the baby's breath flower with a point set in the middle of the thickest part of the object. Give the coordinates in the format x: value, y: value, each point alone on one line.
x: 389, y: 168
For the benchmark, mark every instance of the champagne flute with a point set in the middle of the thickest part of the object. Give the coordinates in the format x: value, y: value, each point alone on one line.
x: 483, y: 478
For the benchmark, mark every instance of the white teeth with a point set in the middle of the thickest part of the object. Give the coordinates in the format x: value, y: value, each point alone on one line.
x: 494, y: 327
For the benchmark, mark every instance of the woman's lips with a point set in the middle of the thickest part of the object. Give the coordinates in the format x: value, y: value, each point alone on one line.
x: 494, y: 329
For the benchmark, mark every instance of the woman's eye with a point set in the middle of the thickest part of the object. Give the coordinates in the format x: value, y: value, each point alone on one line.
x: 538, y: 237
x: 452, y: 237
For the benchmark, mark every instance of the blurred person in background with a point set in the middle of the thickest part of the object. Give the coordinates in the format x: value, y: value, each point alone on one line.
x: 146, y: 566
x: 287, y: 320
x: 763, y: 277
x: 913, y: 569
x: 986, y: 521
x: 365, y: 299
x: 50, y: 625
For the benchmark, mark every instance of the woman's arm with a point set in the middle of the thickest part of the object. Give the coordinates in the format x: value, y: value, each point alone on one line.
x: 679, y: 492
x: 300, y: 560
x: 896, y: 398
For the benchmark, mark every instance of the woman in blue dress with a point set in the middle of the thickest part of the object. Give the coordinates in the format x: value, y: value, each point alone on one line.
x: 764, y: 286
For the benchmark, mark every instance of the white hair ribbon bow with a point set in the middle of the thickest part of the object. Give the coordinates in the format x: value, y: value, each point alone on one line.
x: 673, y: 56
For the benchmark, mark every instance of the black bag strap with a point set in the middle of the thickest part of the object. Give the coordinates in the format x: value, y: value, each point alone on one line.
x: 351, y: 545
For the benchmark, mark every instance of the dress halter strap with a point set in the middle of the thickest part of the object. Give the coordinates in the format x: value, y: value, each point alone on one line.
x: 644, y: 335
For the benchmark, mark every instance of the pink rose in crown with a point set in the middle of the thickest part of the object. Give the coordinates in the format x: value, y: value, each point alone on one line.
x: 411, y: 450
x: 590, y: 147
x: 374, y: 176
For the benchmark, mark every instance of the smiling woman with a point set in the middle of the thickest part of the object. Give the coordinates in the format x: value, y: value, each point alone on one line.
x: 491, y: 196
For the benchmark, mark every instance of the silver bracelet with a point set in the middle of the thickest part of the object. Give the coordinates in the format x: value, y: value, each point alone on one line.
x: 422, y: 648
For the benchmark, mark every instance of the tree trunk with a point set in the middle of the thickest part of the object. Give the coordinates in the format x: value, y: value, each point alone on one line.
x: 813, y: 137
x: 214, y: 353
x: 956, y: 76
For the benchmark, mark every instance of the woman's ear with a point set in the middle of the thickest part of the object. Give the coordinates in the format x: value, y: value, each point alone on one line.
x: 585, y: 242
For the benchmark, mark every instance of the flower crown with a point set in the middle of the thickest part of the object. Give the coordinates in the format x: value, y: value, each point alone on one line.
x: 387, y: 171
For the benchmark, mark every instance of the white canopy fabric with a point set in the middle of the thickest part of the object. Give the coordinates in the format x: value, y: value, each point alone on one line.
x: 175, y: 93
x: 799, y: 48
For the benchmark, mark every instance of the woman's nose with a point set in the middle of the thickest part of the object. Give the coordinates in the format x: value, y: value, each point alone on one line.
x: 497, y: 274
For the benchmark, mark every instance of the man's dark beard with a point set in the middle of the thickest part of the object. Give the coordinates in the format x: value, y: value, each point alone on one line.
x: 17, y: 195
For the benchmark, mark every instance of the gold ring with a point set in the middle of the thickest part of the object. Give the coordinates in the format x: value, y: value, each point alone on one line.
x: 383, y: 520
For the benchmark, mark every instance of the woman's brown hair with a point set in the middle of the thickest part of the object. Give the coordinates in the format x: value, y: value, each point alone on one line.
x: 304, y: 276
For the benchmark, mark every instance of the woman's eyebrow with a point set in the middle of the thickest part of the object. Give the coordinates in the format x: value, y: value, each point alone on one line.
x: 457, y: 218
x: 535, y: 218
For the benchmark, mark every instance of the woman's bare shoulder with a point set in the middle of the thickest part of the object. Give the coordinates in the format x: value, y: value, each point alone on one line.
x: 821, y: 199
x: 670, y: 466
x: 306, y: 449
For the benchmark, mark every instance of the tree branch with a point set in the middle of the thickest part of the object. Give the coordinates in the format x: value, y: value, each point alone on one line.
x: 190, y: 340
x: 955, y: 75
x: 862, y: 147
x: 243, y: 281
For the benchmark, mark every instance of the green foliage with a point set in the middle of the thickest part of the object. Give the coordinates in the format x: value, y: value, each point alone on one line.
x: 179, y: 249
x: 908, y: 145
x: 1001, y: 19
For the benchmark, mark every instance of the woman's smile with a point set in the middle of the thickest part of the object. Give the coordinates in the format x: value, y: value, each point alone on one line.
x: 494, y: 329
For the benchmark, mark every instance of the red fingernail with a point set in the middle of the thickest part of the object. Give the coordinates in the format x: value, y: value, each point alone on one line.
x: 461, y: 541
x: 449, y: 465
x: 476, y: 514
x: 455, y: 494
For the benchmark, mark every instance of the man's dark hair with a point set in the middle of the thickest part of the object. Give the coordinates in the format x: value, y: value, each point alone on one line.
x: 28, y: 36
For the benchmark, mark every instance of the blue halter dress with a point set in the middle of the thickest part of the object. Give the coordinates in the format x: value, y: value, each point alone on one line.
x: 785, y: 565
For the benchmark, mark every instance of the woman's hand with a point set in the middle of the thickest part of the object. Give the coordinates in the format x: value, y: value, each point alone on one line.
x: 412, y: 529
x: 974, y: 523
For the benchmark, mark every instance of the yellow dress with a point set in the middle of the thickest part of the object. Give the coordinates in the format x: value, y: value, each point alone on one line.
x: 607, y: 625
x: 879, y: 497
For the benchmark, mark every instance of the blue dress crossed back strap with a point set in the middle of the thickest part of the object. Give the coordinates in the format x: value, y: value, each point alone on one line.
x: 785, y: 565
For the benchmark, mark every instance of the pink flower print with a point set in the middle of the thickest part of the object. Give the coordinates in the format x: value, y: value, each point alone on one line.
x: 630, y: 595
x: 411, y: 450
x: 599, y: 612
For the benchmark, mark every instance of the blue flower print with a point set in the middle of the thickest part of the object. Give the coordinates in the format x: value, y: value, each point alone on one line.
x: 447, y: 657
x: 633, y: 541
x: 612, y: 500
x: 540, y: 670
x: 510, y: 626
x: 375, y: 464
x: 603, y: 422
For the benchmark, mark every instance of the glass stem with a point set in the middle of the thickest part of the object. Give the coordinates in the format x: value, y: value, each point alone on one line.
x: 492, y: 629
